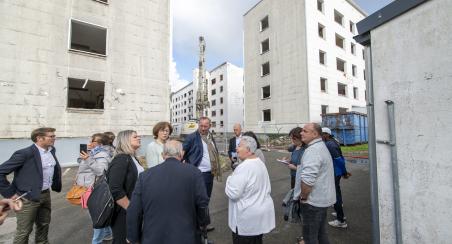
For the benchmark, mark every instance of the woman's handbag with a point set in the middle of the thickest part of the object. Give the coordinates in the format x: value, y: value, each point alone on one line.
x: 75, y: 193
x: 85, y: 197
x: 101, y: 204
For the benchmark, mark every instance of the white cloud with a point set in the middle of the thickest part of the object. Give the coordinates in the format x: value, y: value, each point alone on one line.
x: 175, y: 82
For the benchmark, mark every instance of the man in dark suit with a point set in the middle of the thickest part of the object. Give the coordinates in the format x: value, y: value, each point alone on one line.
x: 36, y: 171
x: 233, y: 143
x: 169, y: 203
x: 201, y: 151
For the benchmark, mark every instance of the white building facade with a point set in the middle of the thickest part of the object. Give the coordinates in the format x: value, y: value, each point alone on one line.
x: 82, y: 67
x: 300, y: 62
x: 183, y: 103
x: 226, y: 97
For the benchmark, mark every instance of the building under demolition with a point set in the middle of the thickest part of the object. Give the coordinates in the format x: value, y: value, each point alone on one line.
x: 82, y: 67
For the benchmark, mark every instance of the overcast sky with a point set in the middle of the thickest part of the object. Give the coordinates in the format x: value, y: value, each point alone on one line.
x: 220, y: 22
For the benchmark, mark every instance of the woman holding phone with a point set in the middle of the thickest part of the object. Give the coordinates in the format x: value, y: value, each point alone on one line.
x: 94, y: 160
x: 122, y: 176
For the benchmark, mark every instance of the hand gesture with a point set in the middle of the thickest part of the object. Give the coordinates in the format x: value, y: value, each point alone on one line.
x: 84, y: 155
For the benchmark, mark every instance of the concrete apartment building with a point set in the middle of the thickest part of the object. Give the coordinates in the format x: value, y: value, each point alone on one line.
x: 82, y: 67
x: 225, y: 93
x: 300, y: 62
x: 226, y: 97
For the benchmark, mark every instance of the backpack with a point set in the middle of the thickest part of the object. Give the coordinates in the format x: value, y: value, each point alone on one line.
x: 101, y: 204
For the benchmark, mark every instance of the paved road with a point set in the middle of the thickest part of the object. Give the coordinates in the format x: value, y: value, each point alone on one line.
x: 71, y: 225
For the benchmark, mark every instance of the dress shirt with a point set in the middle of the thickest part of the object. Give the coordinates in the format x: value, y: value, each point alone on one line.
x: 251, y: 208
x: 205, y: 165
x: 48, y: 166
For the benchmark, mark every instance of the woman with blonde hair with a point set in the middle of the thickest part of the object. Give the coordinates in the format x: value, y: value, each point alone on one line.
x: 161, y: 132
x: 122, y: 176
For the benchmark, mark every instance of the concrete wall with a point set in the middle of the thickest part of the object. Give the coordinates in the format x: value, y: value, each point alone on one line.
x: 330, y: 97
x: 412, y: 60
x: 287, y: 57
x: 232, y: 95
x: 36, y: 63
x: 295, y: 70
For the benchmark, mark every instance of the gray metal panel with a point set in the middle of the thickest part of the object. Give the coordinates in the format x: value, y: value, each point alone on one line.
x: 391, y: 11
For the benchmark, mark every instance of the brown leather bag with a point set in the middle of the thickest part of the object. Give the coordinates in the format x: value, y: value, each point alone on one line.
x: 75, y: 193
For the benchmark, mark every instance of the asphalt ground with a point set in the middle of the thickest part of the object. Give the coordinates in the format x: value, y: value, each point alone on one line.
x: 71, y: 224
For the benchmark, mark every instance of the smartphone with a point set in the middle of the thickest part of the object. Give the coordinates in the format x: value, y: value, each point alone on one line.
x: 84, y: 148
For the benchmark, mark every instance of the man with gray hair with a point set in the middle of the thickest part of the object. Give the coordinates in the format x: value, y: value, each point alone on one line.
x: 234, y: 143
x: 251, y: 209
x: 169, y: 203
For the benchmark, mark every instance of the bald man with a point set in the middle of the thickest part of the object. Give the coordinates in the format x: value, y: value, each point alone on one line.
x: 233, y: 144
x: 314, y: 185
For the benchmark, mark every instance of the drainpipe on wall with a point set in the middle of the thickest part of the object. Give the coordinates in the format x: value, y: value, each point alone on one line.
x: 372, y: 150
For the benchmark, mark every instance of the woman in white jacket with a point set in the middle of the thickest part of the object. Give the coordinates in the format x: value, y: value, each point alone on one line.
x: 93, y: 164
x: 251, y: 209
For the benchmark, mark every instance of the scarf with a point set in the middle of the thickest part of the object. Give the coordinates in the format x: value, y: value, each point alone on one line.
x: 213, y: 155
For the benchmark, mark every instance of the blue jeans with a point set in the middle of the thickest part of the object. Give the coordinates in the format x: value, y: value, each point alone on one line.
x: 100, y: 234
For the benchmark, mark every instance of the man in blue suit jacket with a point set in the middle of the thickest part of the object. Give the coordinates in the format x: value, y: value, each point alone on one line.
x: 200, y: 150
x: 169, y: 203
x: 36, y: 170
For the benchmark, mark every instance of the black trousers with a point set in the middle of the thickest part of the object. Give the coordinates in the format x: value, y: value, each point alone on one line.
x: 238, y: 239
x: 119, y: 227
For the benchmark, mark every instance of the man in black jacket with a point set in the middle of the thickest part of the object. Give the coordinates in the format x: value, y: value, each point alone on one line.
x: 36, y: 171
x: 169, y: 203
x: 233, y: 143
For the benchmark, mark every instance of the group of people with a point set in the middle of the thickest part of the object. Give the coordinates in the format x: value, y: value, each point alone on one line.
x: 166, y: 199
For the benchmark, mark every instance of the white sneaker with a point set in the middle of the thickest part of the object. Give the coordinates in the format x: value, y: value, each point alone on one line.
x: 335, y: 215
x: 337, y: 224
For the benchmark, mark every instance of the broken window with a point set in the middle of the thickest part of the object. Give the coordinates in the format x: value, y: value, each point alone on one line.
x: 342, y: 110
x: 266, y: 115
x: 324, y: 109
x: 265, y: 92
x: 322, y: 57
x: 341, y: 89
x: 354, y: 70
x: 320, y: 5
x: 265, y: 69
x: 321, y: 31
x: 353, y: 48
x: 265, y: 46
x: 214, y: 81
x: 355, y: 92
x: 338, y: 17
x: 88, y: 37
x: 352, y: 27
x: 85, y: 94
x: 339, y: 41
x: 340, y: 64
x: 214, y: 102
x: 323, y: 84
x: 264, y: 23
x: 213, y: 92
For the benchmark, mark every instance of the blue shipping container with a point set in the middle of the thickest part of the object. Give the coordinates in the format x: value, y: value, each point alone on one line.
x: 349, y: 128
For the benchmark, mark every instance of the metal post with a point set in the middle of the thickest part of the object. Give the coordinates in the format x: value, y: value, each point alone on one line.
x: 372, y: 150
x: 395, y: 171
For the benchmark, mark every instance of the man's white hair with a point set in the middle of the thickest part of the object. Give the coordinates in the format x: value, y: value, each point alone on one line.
x: 172, y: 148
x: 249, y: 142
